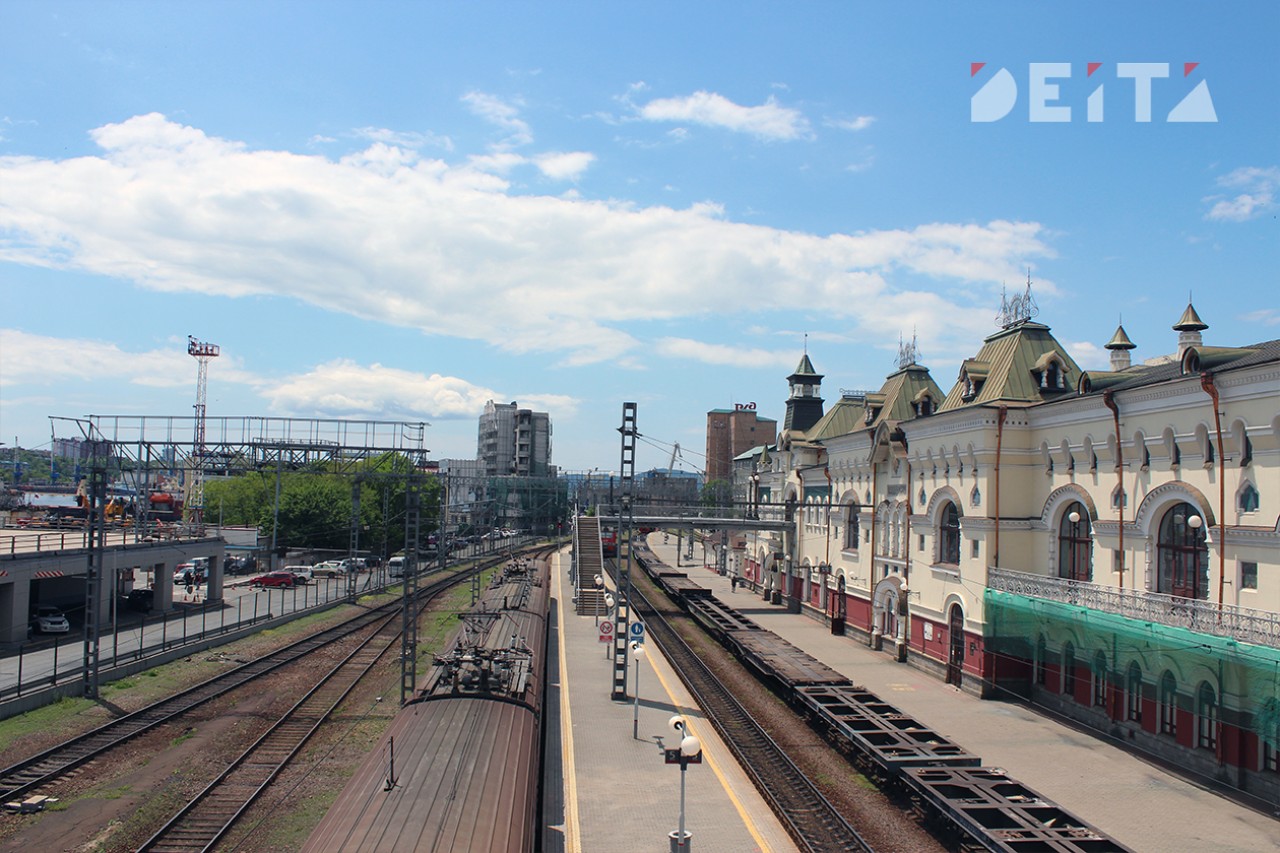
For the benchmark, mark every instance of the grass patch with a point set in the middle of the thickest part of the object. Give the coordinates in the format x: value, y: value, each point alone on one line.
x: 185, y: 736
x: 41, y: 720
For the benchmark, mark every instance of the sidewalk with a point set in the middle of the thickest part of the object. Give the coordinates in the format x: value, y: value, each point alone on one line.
x: 619, y: 795
x: 1137, y: 803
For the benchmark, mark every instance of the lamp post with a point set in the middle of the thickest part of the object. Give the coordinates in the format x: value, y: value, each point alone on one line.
x: 689, y: 752
x: 599, y: 584
x: 637, y: 652
x: 608, y: 612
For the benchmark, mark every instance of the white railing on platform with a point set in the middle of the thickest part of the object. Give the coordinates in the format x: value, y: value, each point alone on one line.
x: 1259, y: 627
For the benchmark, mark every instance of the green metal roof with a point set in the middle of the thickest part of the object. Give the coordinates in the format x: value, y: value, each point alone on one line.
x: 901, y: 389
x: 1190, y: 321
x: 844, y: 416
x: 1006, y: 363
x: 805, y: 368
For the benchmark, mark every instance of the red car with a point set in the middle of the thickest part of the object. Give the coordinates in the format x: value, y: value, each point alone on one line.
x: 281, y: 579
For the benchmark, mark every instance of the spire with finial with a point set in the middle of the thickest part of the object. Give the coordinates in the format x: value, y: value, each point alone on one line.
x: 1120, y: 346
x: 1017, y: 309
x: 1189, y: 327
x: 908, y: 354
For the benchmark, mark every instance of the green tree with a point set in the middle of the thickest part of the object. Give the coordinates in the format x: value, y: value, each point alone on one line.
x: 717, y: 493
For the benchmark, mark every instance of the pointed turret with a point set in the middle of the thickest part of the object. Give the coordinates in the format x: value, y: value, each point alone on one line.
x: 1120, y: 346
x: 804, y: 404
x: 1188, y: 328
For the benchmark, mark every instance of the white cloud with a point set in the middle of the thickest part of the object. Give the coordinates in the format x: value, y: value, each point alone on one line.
x: 568, y: 165
x: 1259, y: 185
x: 389, y: 236
x: 403, y: 139
x: 1089, y: 355
x: 769, y: 121
x: 46, y: 361
x: 344, y: 389
x: 852, y: 124
x: 1265, y: 316
x: 750, y: 357
x: 339, y: 388
x: 496, y: 111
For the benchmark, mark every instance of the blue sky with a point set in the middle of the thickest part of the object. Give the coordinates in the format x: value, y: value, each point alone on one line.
x: 397, y: 211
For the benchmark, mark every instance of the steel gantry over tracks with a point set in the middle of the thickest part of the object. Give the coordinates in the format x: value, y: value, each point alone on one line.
x: 142, y: 445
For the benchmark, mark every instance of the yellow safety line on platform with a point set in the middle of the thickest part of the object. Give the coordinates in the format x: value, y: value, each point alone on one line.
x: 715, y: 767
x: 572, y: 833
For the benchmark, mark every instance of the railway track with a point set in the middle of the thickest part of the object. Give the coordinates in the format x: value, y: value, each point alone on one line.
x: 810, y: 818
x: 48, y: 766
x: 211, y: 813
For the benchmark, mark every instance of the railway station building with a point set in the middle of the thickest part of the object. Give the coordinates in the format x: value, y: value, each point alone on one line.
x: 1103, y: 544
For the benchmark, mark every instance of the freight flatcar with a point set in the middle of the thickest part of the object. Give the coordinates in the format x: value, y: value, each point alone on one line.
x: 459, y: 768
x: 977, y: 805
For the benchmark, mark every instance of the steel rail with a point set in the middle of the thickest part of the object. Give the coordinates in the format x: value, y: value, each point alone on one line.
x: 809, y: 817
x: 208, y: 816
x: 53, y: 763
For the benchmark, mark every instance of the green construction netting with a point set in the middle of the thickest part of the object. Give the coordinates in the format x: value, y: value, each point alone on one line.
x: 1247, y: 675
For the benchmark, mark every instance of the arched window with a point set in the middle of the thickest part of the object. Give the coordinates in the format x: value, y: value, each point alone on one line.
x: 1075, y: 544
x: 1069, y: 670
x: 1098, y: 681
x: 1206, y: 717
x: 851, y: 527
x: 1249, y: 500
x: 1042, y: 661
x: 949, y: 535
x: 1168, y: 704
x: 1133, y: 693
x: 1183, y: 553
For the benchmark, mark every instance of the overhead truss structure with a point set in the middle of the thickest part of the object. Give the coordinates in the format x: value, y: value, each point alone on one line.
x: 235, y: 445
x: 149, y: 444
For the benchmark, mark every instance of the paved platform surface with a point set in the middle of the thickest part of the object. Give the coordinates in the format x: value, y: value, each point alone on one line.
x: 1137, y: 803
x: 618, y: 794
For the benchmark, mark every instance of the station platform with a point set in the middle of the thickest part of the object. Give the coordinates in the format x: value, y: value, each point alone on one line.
x: 617, y: 792
x: 1139, y: 804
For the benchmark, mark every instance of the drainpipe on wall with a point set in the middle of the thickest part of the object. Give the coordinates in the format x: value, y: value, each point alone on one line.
x: 1000, y: 419
x: 1206, y: 382
x: 1109, y: 400
x: 871, y: 570
x: 825, y: 594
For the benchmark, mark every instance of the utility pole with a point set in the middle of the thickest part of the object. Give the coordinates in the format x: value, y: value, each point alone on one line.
x: 622, y: 616
x: 409, y: 619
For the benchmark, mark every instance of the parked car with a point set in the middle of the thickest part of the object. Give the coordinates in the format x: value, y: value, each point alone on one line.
x: 140, y: 600
x: 241, y: 565
x: 329, y: 569
x: 287, y: 580
x: 49, y: 620
x: 301, y: 574
x: 355, y: 564
x: 395, y: 567
x: 189, y: 573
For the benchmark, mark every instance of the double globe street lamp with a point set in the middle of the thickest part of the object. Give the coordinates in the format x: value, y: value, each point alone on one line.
x: 689, y: 752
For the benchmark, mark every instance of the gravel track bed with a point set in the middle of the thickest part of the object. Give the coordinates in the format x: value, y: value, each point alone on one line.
x: 884, y: 823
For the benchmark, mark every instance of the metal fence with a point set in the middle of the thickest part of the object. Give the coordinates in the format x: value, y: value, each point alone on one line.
x: 1244, y: 624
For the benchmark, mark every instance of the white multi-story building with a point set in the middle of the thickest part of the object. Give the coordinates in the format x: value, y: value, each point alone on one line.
x: 514, y: 441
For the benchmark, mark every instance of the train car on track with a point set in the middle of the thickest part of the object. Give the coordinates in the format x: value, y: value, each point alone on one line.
x: 459, y: 768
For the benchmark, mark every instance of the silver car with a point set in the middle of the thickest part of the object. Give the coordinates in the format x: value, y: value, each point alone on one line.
x: 49, y: 620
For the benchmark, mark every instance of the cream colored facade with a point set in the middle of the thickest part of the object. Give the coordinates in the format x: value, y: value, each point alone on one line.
x: 1037, y: 480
